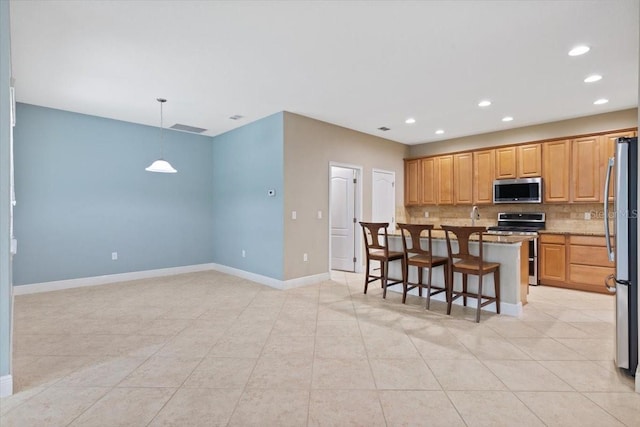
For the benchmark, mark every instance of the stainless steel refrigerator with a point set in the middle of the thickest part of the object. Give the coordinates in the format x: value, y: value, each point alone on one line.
x: 625, y: 249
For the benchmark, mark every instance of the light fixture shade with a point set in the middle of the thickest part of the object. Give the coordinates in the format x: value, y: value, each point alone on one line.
x: 161, y: 166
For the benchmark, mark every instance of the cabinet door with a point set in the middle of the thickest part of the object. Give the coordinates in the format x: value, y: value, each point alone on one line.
x: 445, y: 180
x: 412, y: 188
x: 529, y: 160
x: 555, y: 170
x: 463, y: 178
x: 585, y: 169
x: 552, y: 262
x: 506, y: 163
x: 483, y: 176
x: 608, y: 149
x: 428, y: 181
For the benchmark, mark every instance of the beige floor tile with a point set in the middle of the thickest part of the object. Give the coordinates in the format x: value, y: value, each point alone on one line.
x: 289, y: 327
x: 53, y: 406
x: 340, y: 347
x: 492, y: 409
x: 490, y: 348
x: 198, y: 407
x: 168, y: 327
x: 125, y: 407
x: 587, y: 376
x: 338, y: 328
x: 239, y: 346
x: 103, y: 373
x: 566, y: 409
x: 393, y: 346
x: 419, y: 408
x: 545, y: 349
x: 524, y: 375
x: 464, y: 375
x: 596, y: 329
x: 136, y: 345
x: 184, y: 312
x: 591, y: 348
x: 7, y: 403
x: 558, y: 329
x: 403, y: 374
x: 221, y: 372
x: 286, y: 346
x: 345, y: 408
x: 516, y: 329
x: 271, y: 408
x: 206, y: 328
x: 342, y: 374
x: 281, y: 373
x: 444, y: 347
x: 46, y: 370
x: 187, y: 346
x: 624, y: 406
x: 160, y: 371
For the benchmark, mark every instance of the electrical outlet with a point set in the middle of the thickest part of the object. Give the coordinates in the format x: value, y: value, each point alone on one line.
x: 244, y: 254
x: 114, y: 256
x: 294, y: 214
x: 426, y: 214
x: 587, y: 215
x: 319, y: 214
x: 305, y: 257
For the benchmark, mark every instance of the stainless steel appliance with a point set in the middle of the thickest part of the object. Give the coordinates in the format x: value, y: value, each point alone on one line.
x: 523, y: 224
x: 625, y: 251
x: 522, y: 190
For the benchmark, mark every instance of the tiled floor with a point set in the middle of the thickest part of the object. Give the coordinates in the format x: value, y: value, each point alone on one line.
x: 209, y: 349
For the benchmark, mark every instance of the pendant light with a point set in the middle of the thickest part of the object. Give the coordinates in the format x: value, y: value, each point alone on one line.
x: 161, y: 165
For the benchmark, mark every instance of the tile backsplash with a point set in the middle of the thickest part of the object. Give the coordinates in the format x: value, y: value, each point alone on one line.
x: 560, y: 217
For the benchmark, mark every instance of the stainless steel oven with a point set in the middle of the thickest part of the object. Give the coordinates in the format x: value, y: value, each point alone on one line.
x: 523, y: 224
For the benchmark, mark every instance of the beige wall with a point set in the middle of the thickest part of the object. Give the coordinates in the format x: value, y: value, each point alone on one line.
x: 583, y: 125
x: 309, y: 146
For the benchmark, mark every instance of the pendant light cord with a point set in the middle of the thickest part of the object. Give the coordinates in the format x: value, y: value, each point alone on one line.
x: 161, y: 101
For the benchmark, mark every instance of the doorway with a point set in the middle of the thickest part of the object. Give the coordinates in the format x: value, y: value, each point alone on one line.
x: 344, y: 210
x: 383, y: 197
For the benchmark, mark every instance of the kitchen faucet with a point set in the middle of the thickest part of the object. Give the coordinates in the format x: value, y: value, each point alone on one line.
x: 475, y: 214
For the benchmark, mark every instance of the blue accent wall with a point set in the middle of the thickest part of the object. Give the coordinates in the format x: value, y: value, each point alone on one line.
x: 82, y: 193
x: 5, y: 195
x: 247, y: 162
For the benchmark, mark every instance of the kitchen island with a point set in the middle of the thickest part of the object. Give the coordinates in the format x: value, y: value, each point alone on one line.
x: 509, y: 251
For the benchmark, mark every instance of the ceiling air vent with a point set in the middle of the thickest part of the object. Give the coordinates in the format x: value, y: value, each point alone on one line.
x: 384, y: 128
x: 187, y: 128
x: 236, y: 117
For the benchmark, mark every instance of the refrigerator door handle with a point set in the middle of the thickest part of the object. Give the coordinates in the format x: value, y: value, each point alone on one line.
x: 607, y: 232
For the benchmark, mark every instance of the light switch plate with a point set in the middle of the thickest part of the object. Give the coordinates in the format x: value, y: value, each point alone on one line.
x: 294, y: 215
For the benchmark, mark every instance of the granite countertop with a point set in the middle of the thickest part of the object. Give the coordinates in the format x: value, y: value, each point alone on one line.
x: 438, y: 234
x: 573, y: 233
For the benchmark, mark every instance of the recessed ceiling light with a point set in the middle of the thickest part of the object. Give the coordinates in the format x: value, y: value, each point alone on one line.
x: 236, y: 117
x: 600, y: 101
x: 439, y: 132
x: 507, y: 119
x: 484, y: 103
x: 593, y: 78
x: 410, y: 121
x: 384, y: 128
x: 579, y: 50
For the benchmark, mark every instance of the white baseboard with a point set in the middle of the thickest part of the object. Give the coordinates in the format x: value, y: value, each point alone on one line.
x: 271, y: 282
x: 6, y: 385
x: 507, y: 309
x: 137, y: 275
x: 111, y: 278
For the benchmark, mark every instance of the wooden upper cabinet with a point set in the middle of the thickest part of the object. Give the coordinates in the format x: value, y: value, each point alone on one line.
x: 429, y: 181
x: 529, y: 160
x: 444, y: 173
x: 608, y: 149
x: 585, y: 176
x: 463, y: 178
x: 506, y: 164
x: 555, y: 168
x: 484, y: 170
x: 412, y: 182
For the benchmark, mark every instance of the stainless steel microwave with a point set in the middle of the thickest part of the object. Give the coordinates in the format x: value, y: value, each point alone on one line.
x: 523, y: 190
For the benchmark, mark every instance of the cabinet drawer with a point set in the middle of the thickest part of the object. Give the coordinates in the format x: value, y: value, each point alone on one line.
x: 589, y: 255
x: 587, y: 240
x: 587, y: 274
x: 552, y: 238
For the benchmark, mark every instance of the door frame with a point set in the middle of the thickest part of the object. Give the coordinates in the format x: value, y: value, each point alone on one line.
x: 393, y: 173
x: 357, y: 232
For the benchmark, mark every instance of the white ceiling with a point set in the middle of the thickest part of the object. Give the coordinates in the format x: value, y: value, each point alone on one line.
x: 360, y: 64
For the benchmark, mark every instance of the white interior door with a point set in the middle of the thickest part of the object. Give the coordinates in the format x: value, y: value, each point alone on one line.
x: 383, y: 199
x: 342, y: 218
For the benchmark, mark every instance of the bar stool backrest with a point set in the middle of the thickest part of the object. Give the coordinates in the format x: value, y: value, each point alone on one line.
x: 462, y: 234
x: 412, y: 233
x: 372, y: 232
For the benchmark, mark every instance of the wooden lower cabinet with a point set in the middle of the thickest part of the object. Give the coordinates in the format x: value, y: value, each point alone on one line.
x: 574, y: 262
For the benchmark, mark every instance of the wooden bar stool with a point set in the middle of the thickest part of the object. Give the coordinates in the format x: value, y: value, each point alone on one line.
x: 470, y: 264
x: 376, y: 251
x: 418, y: 256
